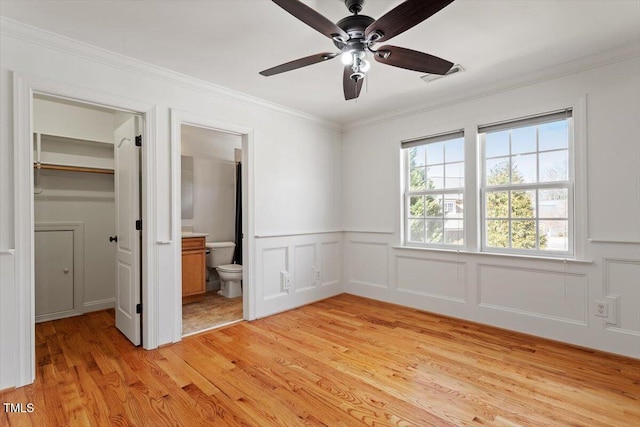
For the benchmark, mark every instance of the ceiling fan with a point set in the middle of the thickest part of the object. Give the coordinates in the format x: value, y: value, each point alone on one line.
x: 357, y: 35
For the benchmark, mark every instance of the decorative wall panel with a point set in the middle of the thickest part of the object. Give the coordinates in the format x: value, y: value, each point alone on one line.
x: 549, y: 294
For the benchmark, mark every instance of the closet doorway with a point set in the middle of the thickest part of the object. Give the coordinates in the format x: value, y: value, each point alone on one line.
x: 211, y: 228
x: 87, y: 211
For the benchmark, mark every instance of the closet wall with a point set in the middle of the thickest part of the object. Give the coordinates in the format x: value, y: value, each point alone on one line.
x: 68, y: 134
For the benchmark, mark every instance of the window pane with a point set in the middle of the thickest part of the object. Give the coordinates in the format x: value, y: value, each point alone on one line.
x: 435, y: 153
x: 530, y: 166
x: 553, y: 203
x: 416, y: 179
x: 497, y: 171
x: 523, y: 169
x: 497, y: 144
x: 416, y: 156
x: 434, y: 206
x: 453, y: 232
x: 416, y: 230
x: 435, y: 177
x: 416, y: 206
x: 454, y: 175
x: 554, y: 166
x: 498, y: 233
x: 554, y: 235
x: 523, y: 204
x: 434, y: 230
x: 523, y: 140
x: 453, y: 205
x: 497, y: 204
x: 523, y: 234
x: 554, y: 135
x: 454, y: 150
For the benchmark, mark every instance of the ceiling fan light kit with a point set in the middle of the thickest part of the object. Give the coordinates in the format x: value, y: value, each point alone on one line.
x: 356, y: 35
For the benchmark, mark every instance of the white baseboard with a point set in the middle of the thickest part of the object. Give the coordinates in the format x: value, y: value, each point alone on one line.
x: 99, y: 305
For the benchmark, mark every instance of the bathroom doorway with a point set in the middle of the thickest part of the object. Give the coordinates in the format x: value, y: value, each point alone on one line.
x: 211, y: 228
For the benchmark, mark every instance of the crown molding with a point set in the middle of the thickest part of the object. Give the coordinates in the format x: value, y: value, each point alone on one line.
x: 54, y: 41
x: 571, y: 67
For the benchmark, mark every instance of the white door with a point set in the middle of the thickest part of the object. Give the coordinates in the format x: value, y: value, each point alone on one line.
x: 128, y: 260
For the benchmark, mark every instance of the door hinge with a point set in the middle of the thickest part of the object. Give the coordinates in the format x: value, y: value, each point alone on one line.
x: 138, y: 308
x: 139, y: 141
x: 138, y: 224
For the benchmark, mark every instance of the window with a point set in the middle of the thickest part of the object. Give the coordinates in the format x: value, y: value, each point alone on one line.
x: 434, y: 190
x: 527, y: 188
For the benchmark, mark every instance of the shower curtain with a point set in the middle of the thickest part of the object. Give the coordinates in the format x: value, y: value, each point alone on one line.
x: 237, y: 255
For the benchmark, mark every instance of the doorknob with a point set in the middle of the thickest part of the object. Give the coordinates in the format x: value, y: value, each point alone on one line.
x: 113, y: 239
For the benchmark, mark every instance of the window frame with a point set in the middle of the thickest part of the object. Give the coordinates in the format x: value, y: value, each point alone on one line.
x: 407, y: 193
x: 568, y: 184
x: 474, y: 198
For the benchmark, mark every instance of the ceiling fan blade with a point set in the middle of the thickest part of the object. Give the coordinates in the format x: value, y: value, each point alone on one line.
x: 351, y: 87
x: 412, y: 60
x: 404, y: 16
x: 312, y: 18
x: 299, y: 63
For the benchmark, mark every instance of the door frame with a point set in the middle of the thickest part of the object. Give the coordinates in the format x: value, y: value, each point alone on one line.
x: 24, y: 87
x: 249, y: 297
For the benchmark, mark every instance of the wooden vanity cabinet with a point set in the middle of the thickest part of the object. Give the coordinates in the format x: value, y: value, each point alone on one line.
x: 194, y: 265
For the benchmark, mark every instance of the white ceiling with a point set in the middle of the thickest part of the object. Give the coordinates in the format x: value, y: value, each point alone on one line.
x: 227, y: 42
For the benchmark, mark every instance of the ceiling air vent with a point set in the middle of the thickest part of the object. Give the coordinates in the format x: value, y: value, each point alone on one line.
x: 457, y: 68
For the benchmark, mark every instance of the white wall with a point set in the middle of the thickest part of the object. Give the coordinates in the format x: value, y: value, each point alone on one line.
x: 297, y: 170
x: 214, y: 181
x: 543, y: 297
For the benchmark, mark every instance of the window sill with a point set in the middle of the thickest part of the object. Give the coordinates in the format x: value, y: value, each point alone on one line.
x: 494, y: 254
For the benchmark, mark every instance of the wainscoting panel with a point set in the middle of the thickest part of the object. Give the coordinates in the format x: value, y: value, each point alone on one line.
x: 274, y: 261
x: 553, y: 295
x: 330, y: 263
x: 622, y: 282
x: 305, y: 267
x: 368, y: 264
x: 432, y: 277
x: 294, y: 270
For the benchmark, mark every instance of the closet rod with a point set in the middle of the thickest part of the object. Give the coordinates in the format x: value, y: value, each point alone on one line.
x: 72, y: 168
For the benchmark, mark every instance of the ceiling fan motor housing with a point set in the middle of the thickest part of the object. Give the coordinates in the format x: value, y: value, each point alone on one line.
x: 354, y: 26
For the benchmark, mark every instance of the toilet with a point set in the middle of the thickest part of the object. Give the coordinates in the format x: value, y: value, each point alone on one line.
x: 219, y: 256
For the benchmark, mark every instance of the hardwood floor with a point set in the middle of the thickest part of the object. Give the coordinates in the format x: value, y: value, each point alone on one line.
x: 345, y: 361
x: 214, y: 310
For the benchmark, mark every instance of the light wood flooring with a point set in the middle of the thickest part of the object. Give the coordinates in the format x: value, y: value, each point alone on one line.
x: 214, y: 310
x: 345, y: 361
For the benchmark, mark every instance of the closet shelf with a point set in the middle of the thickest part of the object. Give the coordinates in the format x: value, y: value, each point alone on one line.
x: 50, y: 166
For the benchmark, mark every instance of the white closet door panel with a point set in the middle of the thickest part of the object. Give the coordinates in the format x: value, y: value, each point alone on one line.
x: 54, y: 271
x: 127, y: 186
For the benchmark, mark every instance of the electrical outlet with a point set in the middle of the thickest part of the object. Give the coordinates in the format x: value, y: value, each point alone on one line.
x: 285, y: 280
x: 602, y: 308
x: 317, y: 273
